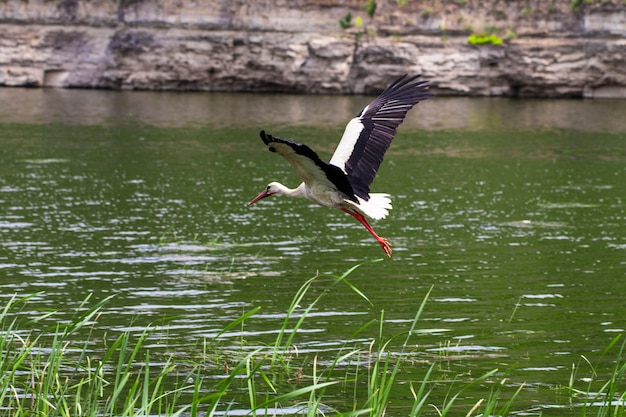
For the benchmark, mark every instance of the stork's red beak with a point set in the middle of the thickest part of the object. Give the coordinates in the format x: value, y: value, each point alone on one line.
x: 262, y: 195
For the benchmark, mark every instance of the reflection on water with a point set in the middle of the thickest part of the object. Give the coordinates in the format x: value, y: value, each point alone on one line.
x: 167, y: 109
x: 512, y: 210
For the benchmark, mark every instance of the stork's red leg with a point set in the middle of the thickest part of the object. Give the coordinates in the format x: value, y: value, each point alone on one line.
x: 384, y: 243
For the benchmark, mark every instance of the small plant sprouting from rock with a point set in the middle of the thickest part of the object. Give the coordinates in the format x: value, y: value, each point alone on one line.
x: 370, y: 8
x: 484, y: 39
x: 575, y: 4
x: 510, y: 34
x: 346, y: 21
x: 487, y: 37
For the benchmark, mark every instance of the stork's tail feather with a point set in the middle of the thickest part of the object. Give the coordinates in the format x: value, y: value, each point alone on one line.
x: 377, y: 207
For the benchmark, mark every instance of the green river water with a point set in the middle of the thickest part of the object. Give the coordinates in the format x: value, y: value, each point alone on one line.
x: 512, y: 211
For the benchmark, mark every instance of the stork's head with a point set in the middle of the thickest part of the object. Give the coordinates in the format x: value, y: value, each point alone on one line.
x: 271, y: 189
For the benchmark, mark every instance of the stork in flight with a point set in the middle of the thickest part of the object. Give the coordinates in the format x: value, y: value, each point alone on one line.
x: 344, y: 182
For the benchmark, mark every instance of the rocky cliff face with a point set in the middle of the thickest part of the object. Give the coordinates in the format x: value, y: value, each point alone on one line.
x: 550, y: 48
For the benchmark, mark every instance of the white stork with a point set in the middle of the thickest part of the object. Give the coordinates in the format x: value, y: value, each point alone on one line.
x: 344, y: 182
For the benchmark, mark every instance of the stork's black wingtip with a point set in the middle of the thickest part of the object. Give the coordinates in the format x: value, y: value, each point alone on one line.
x: 264, y: 137
x: 408, y: 81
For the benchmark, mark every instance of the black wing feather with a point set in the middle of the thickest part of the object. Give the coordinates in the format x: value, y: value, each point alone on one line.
x: 380, y: 120
x: 334, y: 174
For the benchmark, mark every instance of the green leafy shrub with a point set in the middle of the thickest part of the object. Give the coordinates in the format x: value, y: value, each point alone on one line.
x: 482, y: 39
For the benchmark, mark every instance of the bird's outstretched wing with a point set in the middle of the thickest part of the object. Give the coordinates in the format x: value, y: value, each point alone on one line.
x: 308, y: 165
x: 367, y: 136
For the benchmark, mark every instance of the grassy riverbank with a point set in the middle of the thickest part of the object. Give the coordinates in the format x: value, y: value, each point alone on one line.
x: 56, y: 373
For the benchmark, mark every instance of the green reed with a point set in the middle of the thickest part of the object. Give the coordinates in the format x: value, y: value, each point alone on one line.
x: 600, y: 396
x: 61, y: 373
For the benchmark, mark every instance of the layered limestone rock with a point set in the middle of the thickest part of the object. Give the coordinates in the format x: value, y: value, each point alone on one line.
x: 549, y: 49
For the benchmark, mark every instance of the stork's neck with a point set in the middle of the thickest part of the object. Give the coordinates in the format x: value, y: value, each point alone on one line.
x: 291, y: 192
